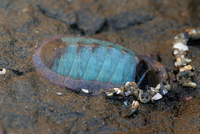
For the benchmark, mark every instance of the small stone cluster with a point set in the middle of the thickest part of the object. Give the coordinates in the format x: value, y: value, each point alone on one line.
x: 186, y: 75
x: 131, y: 89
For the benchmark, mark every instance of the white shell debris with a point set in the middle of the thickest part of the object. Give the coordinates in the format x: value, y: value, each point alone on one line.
x: 128, y: 93
x: 166, y: 89
x: 156, y: 89
x: 59, y: 93
x: 189, y: 84
x: 125, y: 103
x: 158, y: 96
x: 127, y: 84
x: 134, y: 107
x: 180, y: 46
x: 3, y: 71
x: 131, y: 89
x: 85, y: 91
x: 193, y: 31
x: 109, y: 94
x: 182, y: 61
x: 186, y: 68
x: 186, y: 75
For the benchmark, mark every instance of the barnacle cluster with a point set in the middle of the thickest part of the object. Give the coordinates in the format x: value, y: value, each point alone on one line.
x: 186, y: 75
x: 131, y: 89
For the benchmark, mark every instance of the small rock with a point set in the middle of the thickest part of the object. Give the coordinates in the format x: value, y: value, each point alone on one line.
x: 59, y: 93
x: 158, y: 96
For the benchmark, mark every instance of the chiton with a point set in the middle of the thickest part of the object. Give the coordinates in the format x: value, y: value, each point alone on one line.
x: 86, y: 63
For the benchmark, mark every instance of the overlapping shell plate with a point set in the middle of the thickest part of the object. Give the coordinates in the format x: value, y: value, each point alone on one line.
x: 86, y: 63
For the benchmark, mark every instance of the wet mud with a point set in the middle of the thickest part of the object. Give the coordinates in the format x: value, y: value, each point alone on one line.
x: 30, y: 104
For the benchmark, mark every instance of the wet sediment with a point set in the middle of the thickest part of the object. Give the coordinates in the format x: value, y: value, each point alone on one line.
x: 30, y: 104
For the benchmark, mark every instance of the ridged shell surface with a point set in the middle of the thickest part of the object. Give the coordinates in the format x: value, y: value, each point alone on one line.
x: 88, y: 60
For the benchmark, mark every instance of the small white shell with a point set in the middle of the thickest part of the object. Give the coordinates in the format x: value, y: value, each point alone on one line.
x: 109, y: 93
x: 125, y: 103
x: 193, y: 31
x: 167, y: 87
x: 127, y: 84
x: 158, y: 96
x: 85, y: 91
x: 189, y: 84
x: 59, y: 93
x: 116, y: 90
x: 186, y: 68
x: 178, y: 62
x: 187, y: 60
x: 176, y: 52
x: 119, y: 92
x: 165, y: 91
x: 181, y: 46
x: 3, y: 71
x: 156, y: 89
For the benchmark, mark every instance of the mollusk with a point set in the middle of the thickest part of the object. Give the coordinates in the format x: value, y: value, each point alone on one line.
x: 87, y: 65
x: 134, y: 107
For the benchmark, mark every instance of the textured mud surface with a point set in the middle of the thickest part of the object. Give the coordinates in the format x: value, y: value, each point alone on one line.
x: 29, y: 103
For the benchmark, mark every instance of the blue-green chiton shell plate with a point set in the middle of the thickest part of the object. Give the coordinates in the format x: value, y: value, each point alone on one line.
x: 86, y: 63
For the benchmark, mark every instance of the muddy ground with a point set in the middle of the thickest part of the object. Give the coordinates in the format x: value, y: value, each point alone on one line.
x: 29, y: 103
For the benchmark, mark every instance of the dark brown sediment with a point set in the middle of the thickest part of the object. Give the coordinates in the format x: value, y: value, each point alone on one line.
x: 30, y: 103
